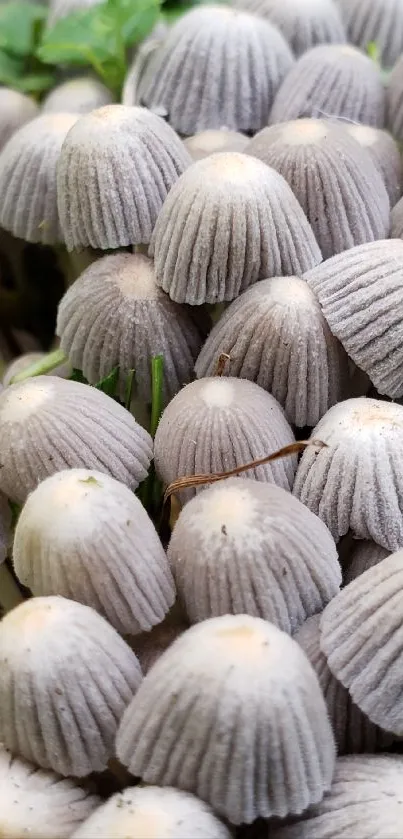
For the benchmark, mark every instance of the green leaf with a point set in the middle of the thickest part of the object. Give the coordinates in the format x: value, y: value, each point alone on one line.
x: 157, y: 383
x: 135, y: 20
x: 11, y: 69
x: 20, y: 27
x: 77, y: 376
x: 373, y: 51
x: 109, y: 384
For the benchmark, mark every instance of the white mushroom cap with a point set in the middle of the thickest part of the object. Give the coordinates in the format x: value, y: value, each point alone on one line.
x: 385, y: 153
x: 215, y: 140
x: 304, y: 23
x: 16, y: 109
x: 5, y: 527
x: 394, y: 100
x: 364, y: 555
x: 77, y: 96
x: 379, y: 21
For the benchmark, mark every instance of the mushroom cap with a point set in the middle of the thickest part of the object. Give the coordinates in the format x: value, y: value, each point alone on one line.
x: 232, y: 685
x: 39, y: 804
x: 61, y: 8
x: 77, y: 96
x: 116, y: 315
x: 364, y: 555
x: 275, y: 335
x: 304, y: 23
x: 394, y: 100
x: 22, y: 362
x: 28, y: 164
x: 396, y: 218
x: 16, y: 109
x: 245, y: 547
x: 240, y: 59
x: 216, y: 140
x: 84, y: 535
x: 154, y: 812
x: 116, y: 167
x: 216, y: 424
x: 379, y: 21
x: 385, y: 154
x: 48, y: 424
x: 66, y: 677
x: 361, y: 295
x: 5, y: 527
x: 228, y: 222
x: 366, y: 796
x: 332, y: 80
x: 338, y: 185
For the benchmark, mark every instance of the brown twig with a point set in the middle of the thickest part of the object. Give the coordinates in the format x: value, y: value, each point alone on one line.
x: 221, y: 363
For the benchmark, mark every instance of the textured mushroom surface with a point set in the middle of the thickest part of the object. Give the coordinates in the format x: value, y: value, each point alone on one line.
x: 275, y: 335
x: 115, y: 315
x: 115, y: 170
x: 240, y: 59
x: 365, y: 800
x: 5, y: 527
x: 396, y: 219
x: 361, y: 295
x: 153, y: 812
x: 39, y: 804
x: 385, y: 153
x: 336, y: 182
x: 360, y: 634
x: 77, y: 96
x: 48, y: 424
x: 356, y: 481
x: 28, y: 166
x: 232, y: 685
x: 394, y: 100
x: 216, y: 424
x: 304, y: 23
x: 66, y: 677
x: 245, y: 547
x: 364, y: 555
x: 332, y: 81
x: 220, y: 140
x: 228, y: 222
x: 375, y: 21
x: 16, y: 109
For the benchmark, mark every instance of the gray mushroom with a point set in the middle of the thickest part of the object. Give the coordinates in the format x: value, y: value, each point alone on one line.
x: 385, y: 153
x: 77, y: 96
x: 394, y: 100
x: 375, y: 21
x: 304, y: 23
x: 16, y: 109
x: 219, y: 140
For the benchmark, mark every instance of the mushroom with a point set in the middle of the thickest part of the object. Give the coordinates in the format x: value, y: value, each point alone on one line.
x: 375, y: 21
x: 217, y: 67
x: 116, y: 167
x: 48, y: 424
x: 394, y: 100
x: 220, y: 140
x: 228, y: 222
x: 397, y: 220
x: 385, y: 154
x: 304, y: 23
x: 338, y: 185
x: 16, y: 109
x: 232, y: 686
x: 84, y: 535
x: 77, y: 96
x: 66, y: 677
x: 24, y: 361
x: 332, y: 81
x: 116, y: 315
x: 364, y: 555
x: 5, y: 527
x: 275, y: 335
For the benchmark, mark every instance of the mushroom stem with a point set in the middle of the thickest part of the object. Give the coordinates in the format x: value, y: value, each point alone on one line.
x: 39, y: 368
x: 10, y: 594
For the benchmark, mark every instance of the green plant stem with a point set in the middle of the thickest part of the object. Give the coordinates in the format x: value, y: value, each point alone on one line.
x: 10, y: 594
x: 157, y: 382
x: 52, y: 360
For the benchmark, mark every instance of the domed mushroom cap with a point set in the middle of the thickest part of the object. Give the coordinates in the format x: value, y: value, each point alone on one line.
x: 366, y: 796
x: 337, y: 184
x: 153, y: 812
x: 360, y: 292
x: 16, y: 109
x: 28, y: 166
x: 49, y: 424
x: 228, y: 222
x: 244, y: 547
x: 115, y: 170
x: 242, y: 61
x: 216, y: 424
x: 77, y: 96
x: 220, y: 140
x: 330, y: 80
x: 66, y: 677
x: 39, y: 804
x: 394, y: 100
x: 353, y: 731
x: 22, y: 362
x: 385, y: 154
x: 85, y: 536
x: 275, y: 335
x: 224, y: 689
x: 5, y: 527
x: 116, y: 315
x: 379, y: 21
x: 364, y: 555
x: 304, y: 23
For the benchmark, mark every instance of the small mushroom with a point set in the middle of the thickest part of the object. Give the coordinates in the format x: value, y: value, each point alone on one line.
x: 5, y: 527
x: 364, y: 555
x: 220, y: 140
x: 375, y: 21
x: 66, y: 677
x: 77, y: 96
x: 394, y: 100
x: 16, y: 109
x: 304, y: 23
x: 232, y: 686
x: 385, y: 154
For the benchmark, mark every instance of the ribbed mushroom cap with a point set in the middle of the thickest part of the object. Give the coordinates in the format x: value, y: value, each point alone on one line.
x: 216, y: 67
x: 353, y: 731
x: 361, y: 295
x: 217, y: 424
x: 385, y: 154
x: 116, y: 315
x: 220, y: 140
x: 364, y: 555
x: 22, y: 362
x: 378, y: 21
x: 66, y: 677
x: 115, y: 170
x: 228, y: 222
x: 338, y: 185
x: 84, y: 535
x: 77, y: 96
x: 245, y: 547
x: 356, y: 482
x: 48, y: 424
x: 61, y: 8
x: 365, y: 800
x: 16, y: 109
x: 394, y: 100
x: 332, y: 81
x: 360, y: 634
x: 5, y: 527
x: 28, y: 166
x: 39, y: 804
x: 233, y: 685
x: 275, y: 335
x: 155, y: 813
x: 396, y: 219
x: 304, y: 23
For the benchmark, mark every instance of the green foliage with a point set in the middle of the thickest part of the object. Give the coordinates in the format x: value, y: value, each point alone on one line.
x: 109, y: 384
x: 21, y: 27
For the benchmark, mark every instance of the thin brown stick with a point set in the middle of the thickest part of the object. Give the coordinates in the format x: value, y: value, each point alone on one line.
x: 221, y: 363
